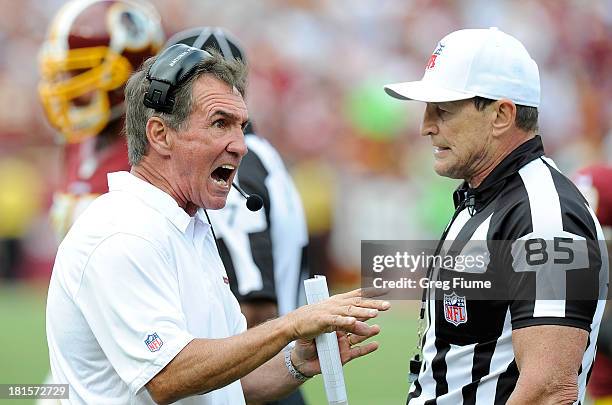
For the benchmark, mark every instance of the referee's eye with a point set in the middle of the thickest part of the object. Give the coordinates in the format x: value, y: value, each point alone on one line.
x: 442, y: 112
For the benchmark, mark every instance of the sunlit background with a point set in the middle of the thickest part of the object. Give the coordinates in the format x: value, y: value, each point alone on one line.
x: 316, y: 75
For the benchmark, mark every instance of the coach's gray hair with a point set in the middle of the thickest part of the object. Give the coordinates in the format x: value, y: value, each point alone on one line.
x: 232, y: 72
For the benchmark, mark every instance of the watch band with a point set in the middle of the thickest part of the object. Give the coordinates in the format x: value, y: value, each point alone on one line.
x: 291, y: 368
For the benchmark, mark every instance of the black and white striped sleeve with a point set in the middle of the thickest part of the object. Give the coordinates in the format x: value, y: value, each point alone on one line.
x: 556, y: 272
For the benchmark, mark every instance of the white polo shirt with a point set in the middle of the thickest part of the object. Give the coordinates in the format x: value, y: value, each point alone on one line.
x: 134, y: 281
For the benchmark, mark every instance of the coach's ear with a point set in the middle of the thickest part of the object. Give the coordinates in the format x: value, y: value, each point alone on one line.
x: 504, y: 116
x: 159, y: 136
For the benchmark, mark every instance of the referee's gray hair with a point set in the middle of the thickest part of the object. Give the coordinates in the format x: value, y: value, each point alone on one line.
x: 232, y: 72
x: 526, y: 117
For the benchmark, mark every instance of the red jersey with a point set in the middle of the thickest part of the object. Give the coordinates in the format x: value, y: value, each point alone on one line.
x: 595, y: 183
x: 85, y: 179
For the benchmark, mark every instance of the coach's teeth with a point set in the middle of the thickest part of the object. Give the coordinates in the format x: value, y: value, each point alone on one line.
x: 220, y: 182
x: 230, y: 167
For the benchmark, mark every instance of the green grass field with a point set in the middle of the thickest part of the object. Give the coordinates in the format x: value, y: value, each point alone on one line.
x: 380, y: 378
x: 377, y: 379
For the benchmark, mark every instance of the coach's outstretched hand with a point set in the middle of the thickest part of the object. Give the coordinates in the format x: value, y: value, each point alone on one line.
x: 344, y: 313
x: 255, y: 356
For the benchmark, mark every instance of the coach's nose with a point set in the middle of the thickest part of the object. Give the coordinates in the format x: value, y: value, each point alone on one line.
x: 237, y: 145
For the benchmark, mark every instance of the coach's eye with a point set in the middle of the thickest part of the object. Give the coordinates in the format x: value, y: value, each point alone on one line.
x: 220, y: 123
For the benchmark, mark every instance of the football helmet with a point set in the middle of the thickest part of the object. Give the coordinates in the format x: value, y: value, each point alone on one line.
x: 207, y: 37
x: 91, y: 48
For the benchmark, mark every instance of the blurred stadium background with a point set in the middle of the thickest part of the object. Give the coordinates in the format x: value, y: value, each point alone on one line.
x: 317, y: 69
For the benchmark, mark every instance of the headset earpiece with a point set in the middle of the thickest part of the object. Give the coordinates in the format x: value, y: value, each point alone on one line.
x: 172, y: 67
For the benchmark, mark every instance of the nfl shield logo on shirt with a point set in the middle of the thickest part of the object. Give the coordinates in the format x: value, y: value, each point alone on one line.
x: 455, y: 310
x: 153, y: 342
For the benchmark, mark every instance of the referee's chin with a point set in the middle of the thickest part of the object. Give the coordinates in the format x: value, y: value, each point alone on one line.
x: 445, y: 171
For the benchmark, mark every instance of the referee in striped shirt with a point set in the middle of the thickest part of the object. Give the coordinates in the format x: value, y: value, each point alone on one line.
x: 532, y: 341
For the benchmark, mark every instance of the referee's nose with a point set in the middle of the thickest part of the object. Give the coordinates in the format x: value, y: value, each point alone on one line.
x: 429, y: 125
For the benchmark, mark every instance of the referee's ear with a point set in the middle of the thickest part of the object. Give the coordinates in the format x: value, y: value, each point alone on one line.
x: 504, y: 114
x: 159, y: 136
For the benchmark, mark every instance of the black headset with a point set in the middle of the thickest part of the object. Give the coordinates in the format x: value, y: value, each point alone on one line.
x: 173, y: 66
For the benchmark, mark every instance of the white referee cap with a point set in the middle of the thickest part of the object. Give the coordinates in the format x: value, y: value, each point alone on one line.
x: 475, y: 62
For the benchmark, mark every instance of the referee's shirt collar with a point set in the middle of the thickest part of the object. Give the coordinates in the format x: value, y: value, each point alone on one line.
x: 153, y: 197
x: 494, y: 182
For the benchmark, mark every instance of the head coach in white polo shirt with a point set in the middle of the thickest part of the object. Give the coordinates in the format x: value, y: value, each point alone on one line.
x: 139, y: 306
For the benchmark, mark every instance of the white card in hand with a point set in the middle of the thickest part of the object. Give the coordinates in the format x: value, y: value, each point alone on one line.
x: 327, y: 347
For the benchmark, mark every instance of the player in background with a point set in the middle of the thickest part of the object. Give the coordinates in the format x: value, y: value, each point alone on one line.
x: 595, y: 183
x: 263, y: 251
x: 90, y: 51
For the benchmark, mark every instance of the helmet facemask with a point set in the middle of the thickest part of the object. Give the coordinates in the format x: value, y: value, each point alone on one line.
x: 90, y: 51
x: 84, y: 73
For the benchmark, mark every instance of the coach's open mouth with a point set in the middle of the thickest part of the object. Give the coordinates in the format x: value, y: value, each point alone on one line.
x: 222, y: 174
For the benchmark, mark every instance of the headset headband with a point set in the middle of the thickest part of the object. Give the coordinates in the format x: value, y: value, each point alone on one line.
x: 172, y: 67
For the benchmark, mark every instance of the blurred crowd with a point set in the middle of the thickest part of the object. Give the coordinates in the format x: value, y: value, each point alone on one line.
x: 317, y: 68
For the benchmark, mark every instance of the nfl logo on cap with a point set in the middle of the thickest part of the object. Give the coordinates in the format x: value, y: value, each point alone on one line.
x: 455, y: 310
x: 153, y: 342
